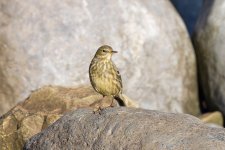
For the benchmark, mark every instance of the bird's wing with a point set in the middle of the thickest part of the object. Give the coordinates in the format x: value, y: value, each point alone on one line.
x: 118, y: 76
x: 92, y: 75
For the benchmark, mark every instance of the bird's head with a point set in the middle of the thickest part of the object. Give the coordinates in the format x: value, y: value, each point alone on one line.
x: 104, y: 52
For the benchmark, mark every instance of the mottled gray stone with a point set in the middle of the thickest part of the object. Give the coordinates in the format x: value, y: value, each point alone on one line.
x: 127, y: 128
x: 53, y: 42
x: 210, y: 50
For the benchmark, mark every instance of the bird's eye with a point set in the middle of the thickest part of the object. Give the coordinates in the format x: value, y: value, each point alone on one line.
x: 104, y: 51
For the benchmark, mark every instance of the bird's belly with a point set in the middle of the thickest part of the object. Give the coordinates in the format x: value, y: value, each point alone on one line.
x: 104, y: 78
x: 106, y: 86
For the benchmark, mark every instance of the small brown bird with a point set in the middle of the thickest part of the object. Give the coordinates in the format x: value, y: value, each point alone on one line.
x: 104, y: 75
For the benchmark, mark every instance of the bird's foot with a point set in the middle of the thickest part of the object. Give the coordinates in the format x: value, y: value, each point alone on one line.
x: 98, y: 110
x: 112, y: 105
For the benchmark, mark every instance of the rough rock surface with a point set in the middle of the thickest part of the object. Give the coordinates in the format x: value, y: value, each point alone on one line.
x: 41, y: 109
x: 127, y: 128
x: 210, y: 51
x: 53, y: 42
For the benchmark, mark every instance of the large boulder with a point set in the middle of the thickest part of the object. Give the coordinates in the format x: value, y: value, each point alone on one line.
x: 53, y: 42
x: 42, y: 108
x: 210, y: 50
x: 128, y: 128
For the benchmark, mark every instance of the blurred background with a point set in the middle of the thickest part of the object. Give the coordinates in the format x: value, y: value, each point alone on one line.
x: 170, y: 52
x: 189, y: 11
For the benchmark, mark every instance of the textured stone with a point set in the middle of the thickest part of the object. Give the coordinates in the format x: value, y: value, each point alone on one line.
x: 53, y: 41
x: 128, y: 128
x: 208, y: 41
x: 41, y: 109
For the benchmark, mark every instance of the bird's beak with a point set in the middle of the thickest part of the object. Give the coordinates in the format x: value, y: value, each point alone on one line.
x: 114, y: 51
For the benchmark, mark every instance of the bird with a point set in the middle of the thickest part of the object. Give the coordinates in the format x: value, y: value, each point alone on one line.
x: 104, y: 76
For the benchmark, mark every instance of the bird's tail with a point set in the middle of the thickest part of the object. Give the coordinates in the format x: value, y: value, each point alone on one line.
x: 120, y: 99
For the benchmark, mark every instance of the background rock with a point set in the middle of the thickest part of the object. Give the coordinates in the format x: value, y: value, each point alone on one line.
x: 41, y: 109
x: 53, y: 41
x: 127, y: 128
x: 209, y: 46
x: 213, y: 118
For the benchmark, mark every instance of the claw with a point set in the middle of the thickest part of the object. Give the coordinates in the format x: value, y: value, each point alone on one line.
x: 98, y: 111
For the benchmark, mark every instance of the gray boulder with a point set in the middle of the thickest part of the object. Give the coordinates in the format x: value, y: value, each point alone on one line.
x: 127, y: 128
x: 53, y: 42
x: 210, y: 50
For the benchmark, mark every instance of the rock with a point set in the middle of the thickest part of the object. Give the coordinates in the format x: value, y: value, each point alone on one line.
x: 41, y: 109
x: 210, y: 54
x: 127, y: 128
x: 52, y: 42
x: 213, y: 118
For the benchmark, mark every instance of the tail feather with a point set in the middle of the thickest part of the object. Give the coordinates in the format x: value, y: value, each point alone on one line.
x: 120, y: 99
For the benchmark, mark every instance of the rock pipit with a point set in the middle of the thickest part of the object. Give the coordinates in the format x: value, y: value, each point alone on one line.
x: 104, y: 75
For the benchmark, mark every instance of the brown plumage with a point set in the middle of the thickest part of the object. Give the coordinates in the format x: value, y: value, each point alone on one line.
x: 104, y: 75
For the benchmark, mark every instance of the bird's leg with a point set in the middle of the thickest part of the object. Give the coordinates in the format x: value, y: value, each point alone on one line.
x: 99, y: 108
x: 111, y: 105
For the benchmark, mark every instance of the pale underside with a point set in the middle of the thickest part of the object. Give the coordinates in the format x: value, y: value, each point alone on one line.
x: 106, y: 80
